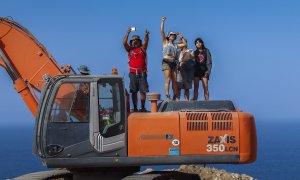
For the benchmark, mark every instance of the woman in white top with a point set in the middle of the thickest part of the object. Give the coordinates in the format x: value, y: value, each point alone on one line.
x: 168, y: 62
x: 185, y: 73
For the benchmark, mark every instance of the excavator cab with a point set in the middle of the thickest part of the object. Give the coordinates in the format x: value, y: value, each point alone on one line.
x: 81, y: 116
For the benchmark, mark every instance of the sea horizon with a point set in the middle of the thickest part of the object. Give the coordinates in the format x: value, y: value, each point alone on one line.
x: 278, y: 152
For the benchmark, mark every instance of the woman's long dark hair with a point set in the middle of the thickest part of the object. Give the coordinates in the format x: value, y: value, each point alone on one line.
x: 200, y: 40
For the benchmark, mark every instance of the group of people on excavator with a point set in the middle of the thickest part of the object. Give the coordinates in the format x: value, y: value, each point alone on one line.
x: 180, y: 65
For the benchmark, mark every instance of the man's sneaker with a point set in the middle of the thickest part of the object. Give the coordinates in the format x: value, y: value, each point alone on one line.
x: 135, y: 110
x: 168, y: 98
x: 143, y: 110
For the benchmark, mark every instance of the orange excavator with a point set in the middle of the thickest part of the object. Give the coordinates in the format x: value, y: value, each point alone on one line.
x: 84, y: 122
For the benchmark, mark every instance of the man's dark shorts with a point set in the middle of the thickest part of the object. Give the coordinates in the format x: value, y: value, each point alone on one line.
x: 138, y: 82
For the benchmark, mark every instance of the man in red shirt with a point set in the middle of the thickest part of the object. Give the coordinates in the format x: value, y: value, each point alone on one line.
x: 137, y: 67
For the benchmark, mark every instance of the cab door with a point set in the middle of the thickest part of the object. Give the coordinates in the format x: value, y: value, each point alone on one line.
x: 63, y: 118
x: 80, y: 115
x: 109, y: 114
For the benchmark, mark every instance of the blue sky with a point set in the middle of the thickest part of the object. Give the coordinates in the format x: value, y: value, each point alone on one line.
x: 254, y: 45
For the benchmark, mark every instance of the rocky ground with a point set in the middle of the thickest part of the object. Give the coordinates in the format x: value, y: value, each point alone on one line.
x: 200, y: 173
x: 184, y: 172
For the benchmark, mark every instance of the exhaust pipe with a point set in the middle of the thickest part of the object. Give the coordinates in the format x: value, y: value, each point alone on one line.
x: 153, y: 98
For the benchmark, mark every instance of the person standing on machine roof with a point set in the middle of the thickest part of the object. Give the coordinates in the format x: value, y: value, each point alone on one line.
x: 168, y: 62
x: 185, y: 69
x: 137, y: 56
x: 202, y: 68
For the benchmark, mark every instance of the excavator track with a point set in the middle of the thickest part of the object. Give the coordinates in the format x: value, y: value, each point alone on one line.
x: 67, y: 175
x: 47, y: 175
x: 190, y: 172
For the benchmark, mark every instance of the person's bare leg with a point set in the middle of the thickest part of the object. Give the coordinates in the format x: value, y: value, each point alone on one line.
x: 167, y: 74
x: 134, y: 100
x: 174, y: 84
x: 143, y: 100
x: 196, y: 88
x: 179, y: 92
x: 205, y: 88
x: 187, y: 94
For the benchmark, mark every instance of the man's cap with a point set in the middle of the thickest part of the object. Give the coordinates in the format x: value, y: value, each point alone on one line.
x: 83, y: 69
x: 134, y: 37
x: 171, y: 33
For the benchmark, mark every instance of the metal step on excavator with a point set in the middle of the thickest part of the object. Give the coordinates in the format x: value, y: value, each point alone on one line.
x: 83, y: 123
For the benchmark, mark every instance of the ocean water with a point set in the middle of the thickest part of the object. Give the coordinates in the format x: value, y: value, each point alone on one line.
x: 278, y: 152
x: 16, y: 156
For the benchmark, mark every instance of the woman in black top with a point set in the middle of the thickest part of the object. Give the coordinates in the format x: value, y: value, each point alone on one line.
x: 202, y: 68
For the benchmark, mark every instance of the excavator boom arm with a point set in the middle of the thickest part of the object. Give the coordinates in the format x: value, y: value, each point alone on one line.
x: 26, y: 61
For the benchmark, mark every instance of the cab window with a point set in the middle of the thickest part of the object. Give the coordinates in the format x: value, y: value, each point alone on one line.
x: 109, y: 103
x: 71, y: 103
